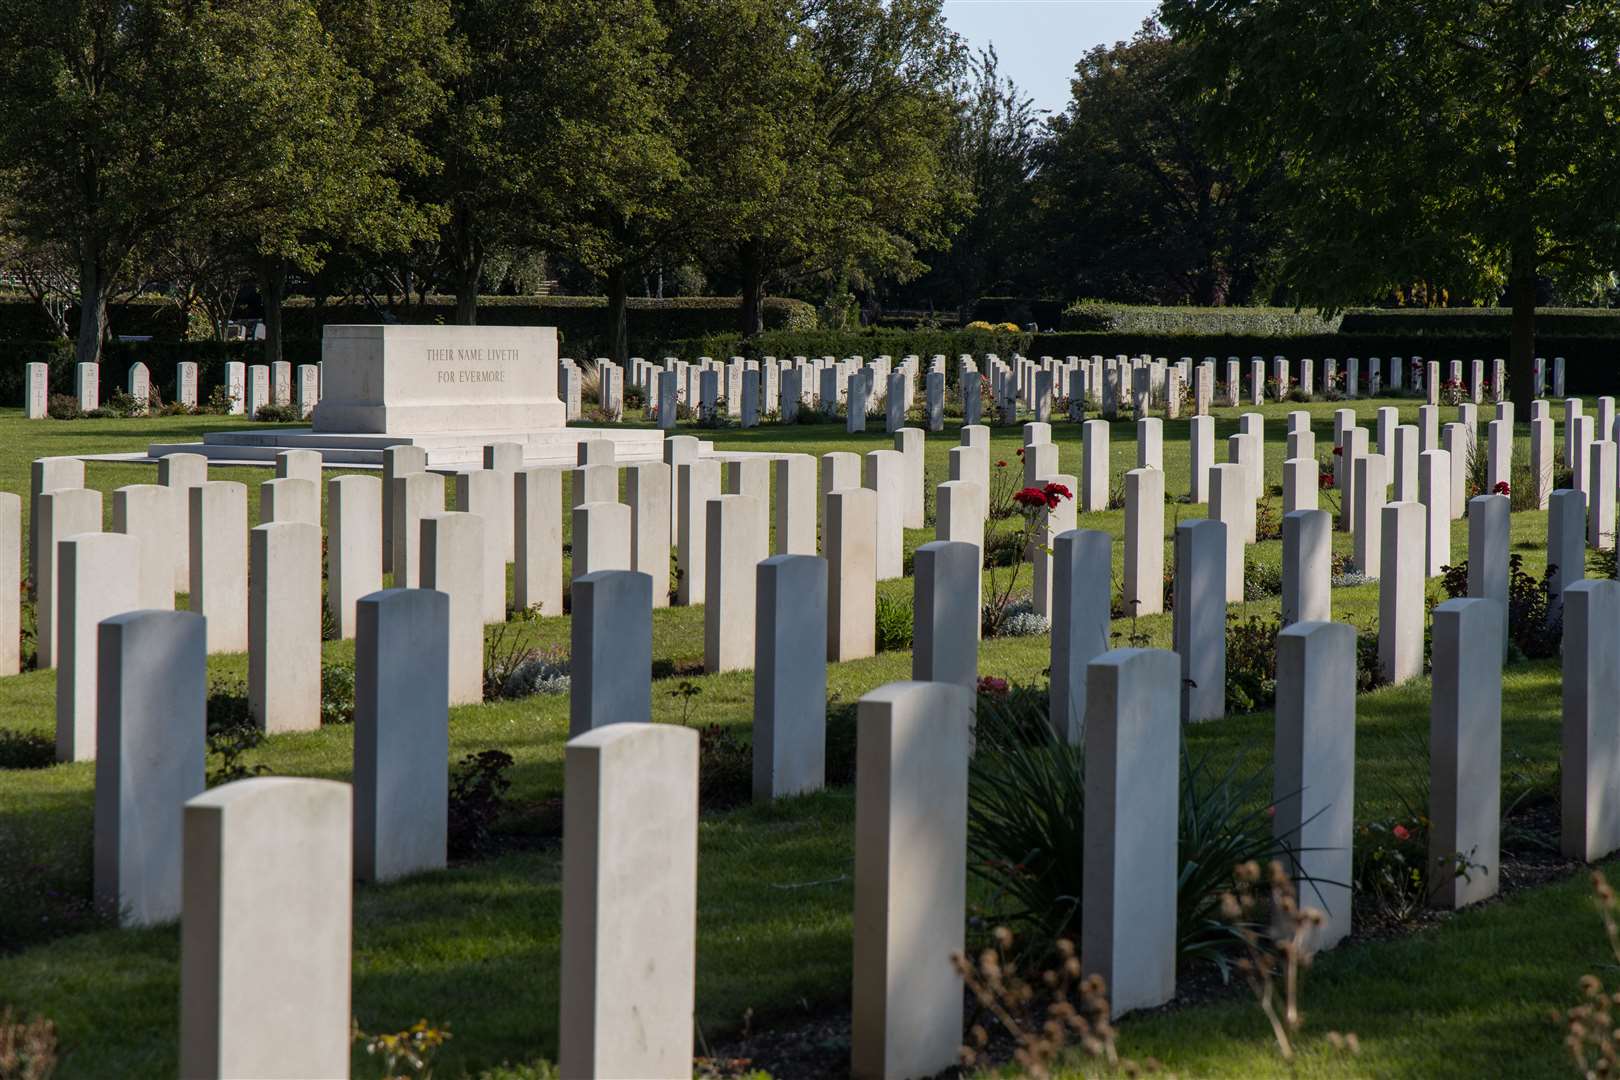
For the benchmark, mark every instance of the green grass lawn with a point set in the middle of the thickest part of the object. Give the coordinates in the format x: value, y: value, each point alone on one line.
x: 475, y: 946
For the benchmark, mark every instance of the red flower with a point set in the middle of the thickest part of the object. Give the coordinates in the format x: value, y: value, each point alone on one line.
x: 1001, y: 464
x: 1020, y: 451
x: 1501, y: 488
x: 989, y: 684
x: 1055, y: 493
x: 1338, y: 450
x: 1402, y: 832
x: 1030, y: 496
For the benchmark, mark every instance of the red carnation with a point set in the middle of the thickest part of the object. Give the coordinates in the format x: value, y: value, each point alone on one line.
x: 1501, y: 488
x: 1402, y: 832
x: 1030, y: 496
x: 989, y: 684
x: 1020, y: 451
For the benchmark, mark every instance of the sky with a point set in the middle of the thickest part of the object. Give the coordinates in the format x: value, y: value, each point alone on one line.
x: 1039, y: 41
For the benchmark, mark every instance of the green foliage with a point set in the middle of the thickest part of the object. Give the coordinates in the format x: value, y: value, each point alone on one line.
x: 894, y: 622
x: 725, y: 768
x: 26, y: 750
x: 1251, y: 663
x: 1096, y: 316
x: 1533, y: 629
x: 337, y: 693
x: 1261, y: 580
x: 278, y: 414
x: 478, y: 787
x: 232, y: 734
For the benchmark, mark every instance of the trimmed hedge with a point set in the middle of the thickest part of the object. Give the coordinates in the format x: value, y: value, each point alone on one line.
x: 874, y: 341
x: 581, y: 321
x: 1098, y: 317
x: 1557, y: 322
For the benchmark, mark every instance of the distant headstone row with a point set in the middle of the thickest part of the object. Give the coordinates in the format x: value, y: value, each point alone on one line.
x: 246, y: 387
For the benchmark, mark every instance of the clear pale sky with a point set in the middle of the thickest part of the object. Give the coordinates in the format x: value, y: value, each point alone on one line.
x: 1039, y: 41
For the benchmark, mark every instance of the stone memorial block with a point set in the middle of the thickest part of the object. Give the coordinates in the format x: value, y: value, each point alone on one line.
x: 1370, y: 486
x: 1387, y: 419
x: 1566, y: 544
x: 668, y: 409
x: 284, y: 625
x: 1558, y: 376
x: 401, y: 732
x: 151, y: 514
x: 10, y: 583
x: 1307, y: 567
x: 410, y: 379
x: 628, y: 965
x: 1040, y: 460
x: 453, y: 563
x: 181, y: 473
x: 96, y: 584
x: 87, y: 386
x: 946, y: 616
x: 62, y: 514
x: 1434, y: 492
x: 790, y: 675
x: 894, y: 403
x: 593, y: 483
x: 1299, y: 444
x: 1240, y: 452
x: 1199, y: 628
x: 49, y: 474
x: 849, y: 542
x: 839, y: 470
x: 537, y: 529
x: 290, y: 499
x: 1465, y: 750
x: 1589, y: 793
x: 1314, y: 782
x: 354, y: 548
x: 1037, y: 433
x: 398, y: 461
x: 601, y: 538
x: 1128, y: 862
x: 151, y: 698
x: 1144, y: 541
x: 416, y: 495
x: 678, y: 450
x: 36, y: 390
x: 483, y: 492
x: 934, y: 398
x: 1400, y: 592
x: 794, y: 510
x: 218, y: 580
x: 1201, y: 448
x: 265, y: 930
x: 910, y: 879
x: 611, y: 650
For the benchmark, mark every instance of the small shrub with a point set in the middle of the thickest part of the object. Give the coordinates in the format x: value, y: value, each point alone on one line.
x: 1251, y: 664
x: 1369, y: 668
x: 1532, y: 627
x: 26, y: 750
x: 894, y: 623
x: 725, y: 768
x: 1261, y: 580
x: 411, y: 1049
x: 220, y: 401
x: 1267, y: 521
x: 478, y: 787
x: 121, y: 405
x: 229, y: 744
x: 278, y: 414
x: 1021, y: 620
x: 545, y: 671
x: 337, y: 694
x: 63, y: 407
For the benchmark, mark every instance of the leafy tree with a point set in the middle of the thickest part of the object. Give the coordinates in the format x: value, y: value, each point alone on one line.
x: 558, y: 113
x: 1468, y: 143
x: 123, y: 117
x: 868, y: 182
x: 1132, y: 203
x: 993, y: 147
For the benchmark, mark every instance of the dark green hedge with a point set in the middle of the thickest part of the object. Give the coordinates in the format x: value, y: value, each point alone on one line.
x: 868, y: 342
x: 1095, y: 316
x: 581, y: 321
x: 1558, y: 322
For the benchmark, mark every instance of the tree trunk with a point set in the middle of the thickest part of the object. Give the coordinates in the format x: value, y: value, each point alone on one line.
x: 751, y: 319
x: 469, y: 265
x: 618, y: 325
x: 1522, y: 348
x: 92, y: 309
x: 272, y: 273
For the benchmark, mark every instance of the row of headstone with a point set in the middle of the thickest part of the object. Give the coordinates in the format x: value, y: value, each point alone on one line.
x: 246, y: 386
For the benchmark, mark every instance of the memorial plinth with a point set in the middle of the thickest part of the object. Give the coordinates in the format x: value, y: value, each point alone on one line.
x: 448, y: 389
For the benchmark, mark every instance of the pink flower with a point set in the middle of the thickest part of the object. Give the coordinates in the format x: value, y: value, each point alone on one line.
x: 989, y: 684
x: 1402, y: 832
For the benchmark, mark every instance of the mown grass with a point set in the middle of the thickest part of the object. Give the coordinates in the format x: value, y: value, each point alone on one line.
x: 476, y: 945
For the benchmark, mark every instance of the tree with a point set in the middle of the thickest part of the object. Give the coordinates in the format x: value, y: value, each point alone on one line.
x: 124, y: 116
x: 868, y: 182
x: 993, y: 148
x: 558, y: 113
x: 1132, y: 202
x: 1464, y: 142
